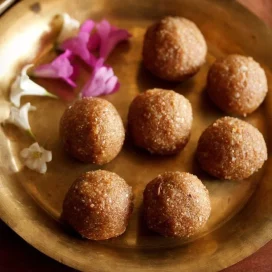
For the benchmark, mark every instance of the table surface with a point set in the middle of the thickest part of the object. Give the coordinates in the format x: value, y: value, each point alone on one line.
x: 17, y: 255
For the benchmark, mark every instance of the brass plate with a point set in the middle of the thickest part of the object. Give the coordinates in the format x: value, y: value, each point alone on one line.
x: 238, y: 226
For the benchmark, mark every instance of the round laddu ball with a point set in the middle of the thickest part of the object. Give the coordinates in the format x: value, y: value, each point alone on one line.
x: 237, y: 84
x: 176, y: 204
x: 98, y: 205
x: 160, y: 121
x: 92, y: 131
x: 174, y: 49
x: 231, y: 149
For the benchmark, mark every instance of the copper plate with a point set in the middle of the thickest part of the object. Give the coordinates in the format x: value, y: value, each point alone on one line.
x: 30, y: 203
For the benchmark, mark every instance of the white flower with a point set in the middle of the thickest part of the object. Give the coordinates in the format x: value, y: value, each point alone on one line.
x: 19, y: 117
x: 36, y: 158
x: 69, y: 28
x: 23, y: 85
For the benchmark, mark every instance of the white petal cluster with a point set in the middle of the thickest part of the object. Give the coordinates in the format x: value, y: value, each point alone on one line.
x: 69, y: 28
x: 23, y: 85
x: 35, y: 158
x: 19, y: 117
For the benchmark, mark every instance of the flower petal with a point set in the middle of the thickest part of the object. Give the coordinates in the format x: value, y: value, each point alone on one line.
x: 19, y: 117
x: 30, y: 163
x: 87, y: 26
x: 23, y: 85
x: 112, y: 85
x: 24, y: 153
x: 110, y: 36
x: 35, y: 164
x: 102, y: 81
x: 69, y: 29
x: 16, y: 92
x: 61, y: 67
x: 24, y: 115
x: 34, y: 148
x: 47, y: 156
x: 42, y: 168
x: 36, y: 157
x: 79, y: 45
x: 94, y: 42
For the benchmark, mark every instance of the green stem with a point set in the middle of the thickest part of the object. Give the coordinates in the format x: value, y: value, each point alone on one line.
x: 30, y: 133
x: 51, y: 95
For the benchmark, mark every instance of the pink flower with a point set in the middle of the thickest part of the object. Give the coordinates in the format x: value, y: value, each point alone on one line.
x: 94, y: 42
x: 110, y: 36
x: 102, y: 82
x: 60, y: 67
x: 79, y: 45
